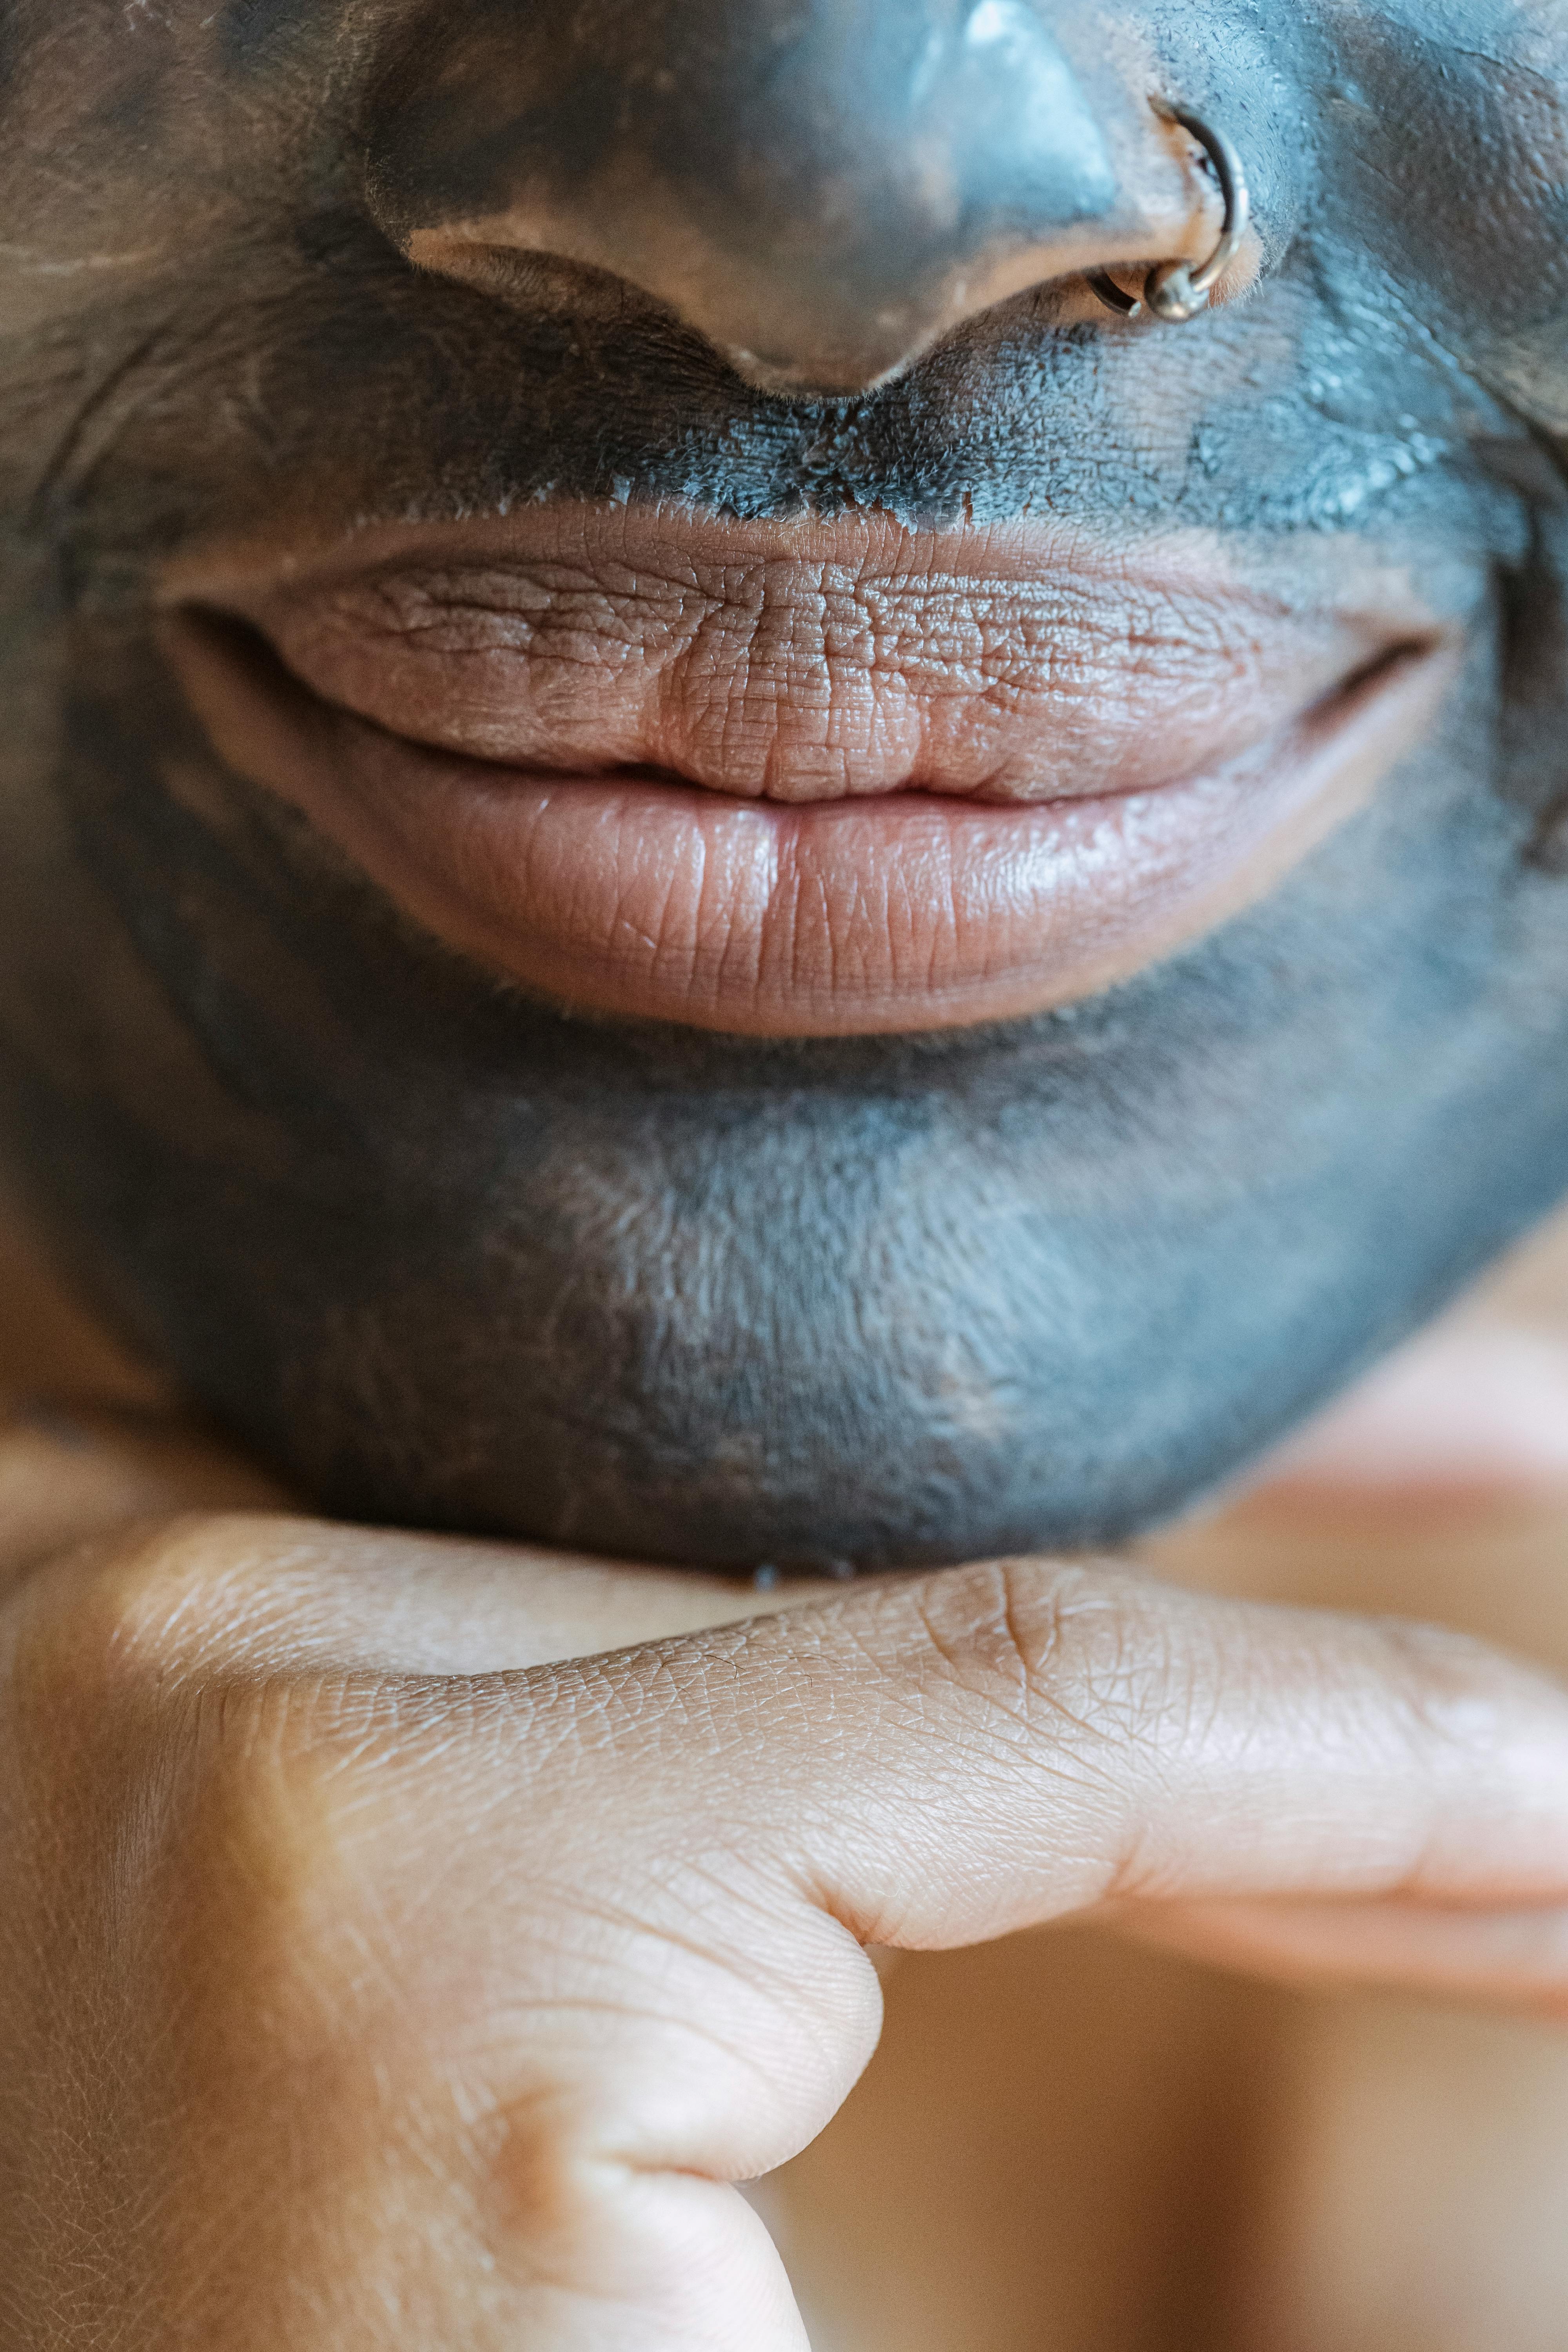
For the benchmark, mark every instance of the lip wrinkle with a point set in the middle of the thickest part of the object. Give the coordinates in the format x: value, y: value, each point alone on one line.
x: 763, y: 684
x: 629, y: 889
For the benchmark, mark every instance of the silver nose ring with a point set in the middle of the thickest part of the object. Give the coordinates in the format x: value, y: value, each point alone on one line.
x: 1173, y: 290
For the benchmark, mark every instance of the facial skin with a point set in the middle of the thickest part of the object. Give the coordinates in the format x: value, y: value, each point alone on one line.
x: 450, y: 1251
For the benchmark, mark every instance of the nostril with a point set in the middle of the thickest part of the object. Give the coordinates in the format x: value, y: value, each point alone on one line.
x: 820, y: 187
x: 1175, y: 291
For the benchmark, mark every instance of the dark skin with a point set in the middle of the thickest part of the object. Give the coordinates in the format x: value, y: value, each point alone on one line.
x: 414, y: 1940
x: 1010, y: 1278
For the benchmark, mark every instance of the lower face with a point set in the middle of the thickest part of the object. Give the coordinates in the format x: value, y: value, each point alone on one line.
x: 479, y: 1191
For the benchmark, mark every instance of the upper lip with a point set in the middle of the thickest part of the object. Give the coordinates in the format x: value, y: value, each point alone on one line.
x: 801, y: 662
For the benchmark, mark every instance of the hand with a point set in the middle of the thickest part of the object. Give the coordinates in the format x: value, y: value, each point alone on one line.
x: 366, y: 1981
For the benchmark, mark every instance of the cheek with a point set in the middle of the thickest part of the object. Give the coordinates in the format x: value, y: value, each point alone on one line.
x: 1446, y: 148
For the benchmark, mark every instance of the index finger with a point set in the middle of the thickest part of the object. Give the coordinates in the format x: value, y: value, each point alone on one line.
x: 943, y: 1760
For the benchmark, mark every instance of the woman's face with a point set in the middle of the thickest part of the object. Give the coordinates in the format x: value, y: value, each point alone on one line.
x: 758, y: 1115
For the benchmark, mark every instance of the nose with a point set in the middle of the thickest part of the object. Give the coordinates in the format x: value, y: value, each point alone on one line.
x: 820, y: 187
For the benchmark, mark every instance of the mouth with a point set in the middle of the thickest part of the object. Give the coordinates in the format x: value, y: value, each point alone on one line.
x: 800, y: 779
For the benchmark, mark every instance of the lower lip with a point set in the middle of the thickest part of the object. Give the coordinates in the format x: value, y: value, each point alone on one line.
x: 905, y: 913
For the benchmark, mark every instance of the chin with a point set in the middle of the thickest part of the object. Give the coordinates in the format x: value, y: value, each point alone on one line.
x: 451, y: 1256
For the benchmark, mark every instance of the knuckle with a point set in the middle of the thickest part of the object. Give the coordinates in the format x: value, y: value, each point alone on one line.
x: 123, y: 1616
x: 1077, y: 1649
x: 217, y: 1796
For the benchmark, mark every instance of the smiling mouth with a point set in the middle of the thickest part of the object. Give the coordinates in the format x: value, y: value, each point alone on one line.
x: 797, y: 778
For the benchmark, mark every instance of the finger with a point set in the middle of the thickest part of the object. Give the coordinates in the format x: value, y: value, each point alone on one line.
x: 927, y: 1763
x: 577, y: 1947
x: 948, y: 1757
x: 946, y: 1760
x: 204, y: 1585
x: 1509, y: 1959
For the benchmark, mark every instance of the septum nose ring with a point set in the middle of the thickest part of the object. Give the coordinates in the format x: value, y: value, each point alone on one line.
x: 1173, y: 290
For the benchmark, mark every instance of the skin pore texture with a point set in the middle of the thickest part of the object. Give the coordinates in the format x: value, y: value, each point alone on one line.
x: 448, y: 1250
x: 465, y: 468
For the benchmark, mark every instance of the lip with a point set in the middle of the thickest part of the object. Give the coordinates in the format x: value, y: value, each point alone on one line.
x: 815, y: 780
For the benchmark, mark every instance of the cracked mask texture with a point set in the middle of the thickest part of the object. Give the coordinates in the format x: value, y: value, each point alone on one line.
x: 454, y: 1256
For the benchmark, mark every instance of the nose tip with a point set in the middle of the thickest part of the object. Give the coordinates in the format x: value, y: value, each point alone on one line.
x: 819, y: 187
